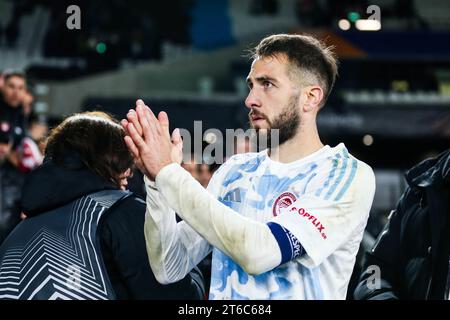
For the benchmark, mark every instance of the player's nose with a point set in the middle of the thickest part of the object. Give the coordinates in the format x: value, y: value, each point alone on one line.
x: 252, y: 100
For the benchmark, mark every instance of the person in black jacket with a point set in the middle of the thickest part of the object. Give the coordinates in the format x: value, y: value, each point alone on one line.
x: 86, y: 156
x: 410, y: 259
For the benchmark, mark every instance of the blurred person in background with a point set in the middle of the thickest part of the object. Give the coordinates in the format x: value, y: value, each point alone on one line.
x: 11, y: 105
x: 15, y: 108
x: 11, y: 101
x: 412, y: 253
x: 78, y: 195
x: 11, y: 181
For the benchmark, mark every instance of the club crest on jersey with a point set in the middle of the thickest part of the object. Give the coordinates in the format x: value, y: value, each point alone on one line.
x: 284, y: 200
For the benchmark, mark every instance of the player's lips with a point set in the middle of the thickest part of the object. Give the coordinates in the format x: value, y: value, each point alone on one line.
x: 256, y: 118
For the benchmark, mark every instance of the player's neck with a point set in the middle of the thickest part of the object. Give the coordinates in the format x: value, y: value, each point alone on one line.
x: 304, y: 143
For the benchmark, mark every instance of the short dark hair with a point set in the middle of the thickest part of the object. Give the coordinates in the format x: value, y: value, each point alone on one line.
x: 97, y: 138
x: 305, y: 52
x: 8, y: 74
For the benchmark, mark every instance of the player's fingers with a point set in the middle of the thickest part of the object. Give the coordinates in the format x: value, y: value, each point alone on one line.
x: 133, y: 118
x: 124, y: 123
x: 164, y: 123
x: 176, y: 137
x: 137, y: 139
x: 145, y: 107
x: 140, y: 101
x: 151, y: 120
x: 147, y: 128
x: 132, y: 147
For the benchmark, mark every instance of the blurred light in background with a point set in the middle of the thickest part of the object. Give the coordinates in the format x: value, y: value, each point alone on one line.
x: 368, y: 25
x: 101, y: 48
x: 368, y: 140
x: 400, y: 85
x: 344, y: 24
x: 210, y: 137
x: 353, y: 16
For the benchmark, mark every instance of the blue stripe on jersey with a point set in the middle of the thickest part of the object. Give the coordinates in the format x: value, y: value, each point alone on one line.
x: 237, y: 171
x: 309, y: 180
x: 289, y: 245
x: 313, y: 289
x: 330, y: 176
x: 340, y: 177
x: 349, y: 180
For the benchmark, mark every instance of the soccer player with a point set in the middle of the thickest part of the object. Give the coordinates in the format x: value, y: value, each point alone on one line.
x: 284, y: 223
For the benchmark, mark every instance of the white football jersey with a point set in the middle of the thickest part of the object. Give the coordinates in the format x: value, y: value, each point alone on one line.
x: 317, y: 209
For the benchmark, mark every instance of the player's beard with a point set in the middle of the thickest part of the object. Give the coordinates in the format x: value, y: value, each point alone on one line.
x: 287, y: 123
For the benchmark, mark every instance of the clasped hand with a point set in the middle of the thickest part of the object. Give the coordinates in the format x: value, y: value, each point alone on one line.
x: 149, y: 140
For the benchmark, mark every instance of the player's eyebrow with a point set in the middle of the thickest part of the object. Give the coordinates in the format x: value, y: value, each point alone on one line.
x: 261, y: 79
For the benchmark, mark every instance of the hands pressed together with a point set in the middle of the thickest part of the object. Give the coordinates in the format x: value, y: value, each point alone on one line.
x: 149, y: 140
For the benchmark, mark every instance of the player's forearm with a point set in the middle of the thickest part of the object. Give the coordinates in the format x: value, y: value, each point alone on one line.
x: 249, y: 243
x: 169, y: 257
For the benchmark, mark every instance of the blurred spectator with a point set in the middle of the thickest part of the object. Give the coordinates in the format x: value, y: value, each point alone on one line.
x: 11, y: 181
x: 11, y: 100
x: 18, y: 153
x: 14, y: 88
x: 413, y: 251
x: 15, y: 108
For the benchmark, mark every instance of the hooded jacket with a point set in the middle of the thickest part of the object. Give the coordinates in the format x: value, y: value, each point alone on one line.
x: 412, y: 252
x: 120, y: 229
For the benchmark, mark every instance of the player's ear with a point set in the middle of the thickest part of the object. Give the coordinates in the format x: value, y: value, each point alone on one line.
x: 314, y: 96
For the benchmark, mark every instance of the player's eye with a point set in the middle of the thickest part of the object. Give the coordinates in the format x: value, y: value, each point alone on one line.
x: 267, y: 84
